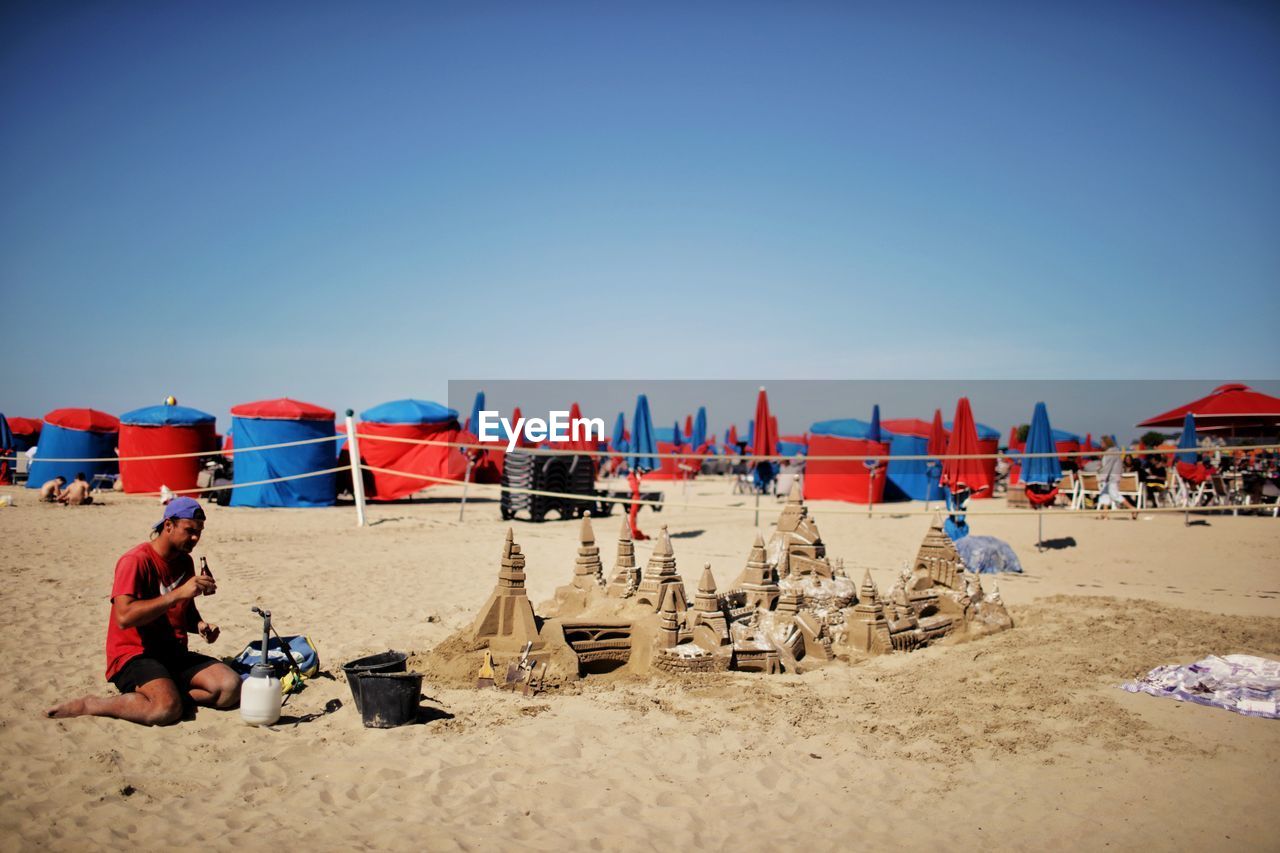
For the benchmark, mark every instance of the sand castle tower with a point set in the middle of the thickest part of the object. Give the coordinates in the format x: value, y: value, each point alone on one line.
x: 588, y: 571
x: 796, y: 543
x: 660, y: 579
x: 758, y: 579
x: 868, y: 629
x: 938, y: 559
x: 707, y: 614
x: 506, y: 619
x: 669, y: 626
x: 626, y: 575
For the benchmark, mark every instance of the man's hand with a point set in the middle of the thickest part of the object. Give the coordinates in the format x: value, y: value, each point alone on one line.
x: 195, y: 585
x: 209, y: 632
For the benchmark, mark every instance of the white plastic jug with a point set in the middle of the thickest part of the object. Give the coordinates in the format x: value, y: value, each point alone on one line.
x: 260, y: 697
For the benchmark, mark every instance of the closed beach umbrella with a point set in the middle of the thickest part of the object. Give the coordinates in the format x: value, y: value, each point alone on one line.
x: 764, y: 442
x: 643, y: 446
x: 1042, y: 471
x: 873, y: 432
x: 676, y: 437
x: 7, y: 449
x: 962, y: 473
x: 643, y: 443
x: 619, y: 439
x: 473, y: 422
x: 1187, y: 441
x: 699, y: 434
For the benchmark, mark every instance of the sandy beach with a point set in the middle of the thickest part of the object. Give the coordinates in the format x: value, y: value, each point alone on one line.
x: 1018, y: 741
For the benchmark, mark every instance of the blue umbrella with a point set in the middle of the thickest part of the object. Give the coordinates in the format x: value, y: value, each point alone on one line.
x: 699, y: 436
x: 1188, y: 440
x: 751, y: 433
x: 620, y: 432
x: 1041, y: 470
x: 873, y: 432
x: 676, y: 437
x: 7, y: 445
x: 473, y: 423
x: 643, y: 443
x: 1044, y: 470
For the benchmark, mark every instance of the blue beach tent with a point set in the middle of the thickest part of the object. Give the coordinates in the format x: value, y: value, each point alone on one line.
x: 279, y: 422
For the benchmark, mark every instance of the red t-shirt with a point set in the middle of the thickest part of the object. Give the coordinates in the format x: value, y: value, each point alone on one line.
x: 143, y: 574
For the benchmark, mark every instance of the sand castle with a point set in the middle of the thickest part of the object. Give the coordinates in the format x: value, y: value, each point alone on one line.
x: 790, y: 609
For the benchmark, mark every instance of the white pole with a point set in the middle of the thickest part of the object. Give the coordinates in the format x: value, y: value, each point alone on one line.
x: 466, y: 480
x: 357, y: 477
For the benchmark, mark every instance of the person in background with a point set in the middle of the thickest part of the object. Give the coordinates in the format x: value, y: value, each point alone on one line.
x: 1110, y: 470
x: 77, y: 493
x: 52, y: 489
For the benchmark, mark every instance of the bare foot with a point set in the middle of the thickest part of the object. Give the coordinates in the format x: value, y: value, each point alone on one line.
x: 73, y: 708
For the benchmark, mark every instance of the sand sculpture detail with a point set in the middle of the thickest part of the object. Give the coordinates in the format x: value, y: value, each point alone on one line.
x: 790, y: 609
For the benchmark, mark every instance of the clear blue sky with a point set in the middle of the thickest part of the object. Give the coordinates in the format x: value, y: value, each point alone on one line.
x: 350, y: 203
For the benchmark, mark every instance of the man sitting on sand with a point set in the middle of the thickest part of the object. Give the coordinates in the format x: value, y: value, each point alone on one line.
x: 152, y: 610
x: 77, y: 493
x: 52, y: 489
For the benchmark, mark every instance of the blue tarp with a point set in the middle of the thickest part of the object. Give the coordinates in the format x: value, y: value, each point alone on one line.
x: 844, y: 428
x: 166, y: 416
x: 987, y: 555
x: 283, y: 462
x: 410, y: 412
x: 985, y: 433
x: 790, y: 448
x: 911, y: 479
x: 61, y: 443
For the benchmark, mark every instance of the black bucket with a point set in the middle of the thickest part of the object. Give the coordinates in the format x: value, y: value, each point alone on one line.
x: 389, y: 699
x: 385, y: 662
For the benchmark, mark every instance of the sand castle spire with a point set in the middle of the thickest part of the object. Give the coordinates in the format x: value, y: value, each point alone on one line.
x: 626, y: 577
x: 759, y: 580
x: 669, y: 627
x: 660, y: 578
x: 707, y: 583
x: 506, y: 619
x: 938, y: 558
x: 588, y: 571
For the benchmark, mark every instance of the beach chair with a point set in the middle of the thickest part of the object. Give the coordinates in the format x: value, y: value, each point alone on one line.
x: 1069, y: 491
x: 1088, y: 489
x: 1131, y: 488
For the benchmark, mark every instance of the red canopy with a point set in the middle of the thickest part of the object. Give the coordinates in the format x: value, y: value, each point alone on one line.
x: 85, y: 420
x: 937, y: 435
x: 24, y: 426
x: 906, y: 426
x: 970, y: 473
x: 1227, y: 407
x: 765, y: 441
x: 283, y: 409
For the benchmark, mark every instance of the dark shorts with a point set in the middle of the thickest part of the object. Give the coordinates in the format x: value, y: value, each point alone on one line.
x: 179, y: 668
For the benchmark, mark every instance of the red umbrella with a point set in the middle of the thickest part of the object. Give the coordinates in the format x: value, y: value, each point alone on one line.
x: 1227, y: 407
x: 766, y: 437
x: 733, y: 437
x: 963, y: 473
x: 937, y: 435
x: 688, y: 426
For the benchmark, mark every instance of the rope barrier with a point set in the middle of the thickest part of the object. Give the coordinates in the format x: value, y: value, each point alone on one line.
x: 850, y: 457
x: 826, y: 510
x: 550, y: 451
x: 228, y: 452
